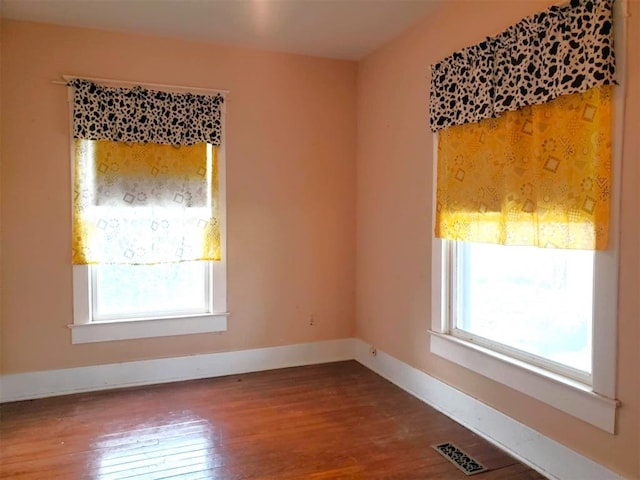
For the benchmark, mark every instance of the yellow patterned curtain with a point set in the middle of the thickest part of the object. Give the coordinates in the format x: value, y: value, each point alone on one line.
x: 144, y: 203
x: 537, y: 176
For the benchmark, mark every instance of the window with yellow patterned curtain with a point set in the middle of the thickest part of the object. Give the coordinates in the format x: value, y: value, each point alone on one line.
x: 524, y: 184
x: 147, y: 227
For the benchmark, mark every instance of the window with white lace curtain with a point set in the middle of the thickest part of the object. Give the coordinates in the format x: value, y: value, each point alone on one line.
x: 148, y: 240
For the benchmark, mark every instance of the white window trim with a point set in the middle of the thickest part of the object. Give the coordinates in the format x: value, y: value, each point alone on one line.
x: 595, y: 404
x: 83, y: 330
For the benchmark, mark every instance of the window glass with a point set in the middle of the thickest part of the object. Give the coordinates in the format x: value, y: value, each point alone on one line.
x: 149, y: 290
x: 536, y: 300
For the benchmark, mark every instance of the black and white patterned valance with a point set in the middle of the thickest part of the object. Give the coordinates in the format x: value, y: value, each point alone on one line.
x: 560, y: 51
x: 144, y: 116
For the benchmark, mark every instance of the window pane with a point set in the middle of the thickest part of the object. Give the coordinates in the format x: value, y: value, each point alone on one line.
x: 145, y: 290
x: 534, y: 299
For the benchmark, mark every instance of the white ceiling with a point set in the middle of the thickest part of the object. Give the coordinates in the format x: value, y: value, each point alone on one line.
x: 346, y: 29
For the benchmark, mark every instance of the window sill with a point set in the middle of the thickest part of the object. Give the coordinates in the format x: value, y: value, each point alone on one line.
x: 147, y: 328
x: 572, y: 397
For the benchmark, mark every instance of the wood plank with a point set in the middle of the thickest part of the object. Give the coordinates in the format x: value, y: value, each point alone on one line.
x: 328, y: 421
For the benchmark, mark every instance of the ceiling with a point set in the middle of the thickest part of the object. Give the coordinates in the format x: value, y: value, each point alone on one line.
x: 344, y: 29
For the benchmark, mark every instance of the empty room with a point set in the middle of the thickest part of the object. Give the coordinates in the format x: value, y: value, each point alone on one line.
x: 319, y: 239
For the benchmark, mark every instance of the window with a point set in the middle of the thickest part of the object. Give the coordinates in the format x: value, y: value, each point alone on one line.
x: 534, y: 304
x: 573, y: 372
x: 148, y: 214
x: 515, y: 169
x: 117, y: 302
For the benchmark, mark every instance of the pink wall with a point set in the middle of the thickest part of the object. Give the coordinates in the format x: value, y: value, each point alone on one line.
x: 394, y: 212
x: 1, y: 200
x: 290, y: 191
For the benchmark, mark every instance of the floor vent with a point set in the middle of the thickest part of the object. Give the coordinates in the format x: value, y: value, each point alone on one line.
x: 460, y: 459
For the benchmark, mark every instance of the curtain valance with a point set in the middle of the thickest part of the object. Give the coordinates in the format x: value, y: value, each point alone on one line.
x: 560, y: 51
x: 145, y: 116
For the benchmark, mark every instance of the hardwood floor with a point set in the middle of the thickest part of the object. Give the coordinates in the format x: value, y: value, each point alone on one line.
x: 328, y: 421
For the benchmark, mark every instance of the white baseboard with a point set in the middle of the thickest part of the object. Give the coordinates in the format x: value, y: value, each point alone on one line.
x: 49, y: 383
x: 541, y: 453
x: 530, y: 447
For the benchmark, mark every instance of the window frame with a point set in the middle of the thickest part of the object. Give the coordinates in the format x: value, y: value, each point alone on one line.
x: 593, y: 403
x: 85, y: 330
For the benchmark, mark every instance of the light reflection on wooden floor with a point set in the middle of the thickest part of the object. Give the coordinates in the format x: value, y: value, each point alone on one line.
x: 319, y: 422
x: 174, y: 449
